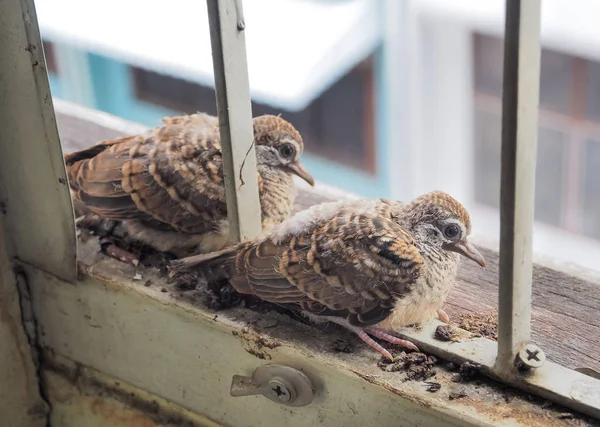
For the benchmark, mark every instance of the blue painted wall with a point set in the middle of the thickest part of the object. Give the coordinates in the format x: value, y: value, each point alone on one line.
x: 55, y: 85
x: 114, y: 93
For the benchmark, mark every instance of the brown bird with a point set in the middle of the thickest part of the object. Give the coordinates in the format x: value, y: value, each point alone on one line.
x: 167, y: 185
x: 373, y: 266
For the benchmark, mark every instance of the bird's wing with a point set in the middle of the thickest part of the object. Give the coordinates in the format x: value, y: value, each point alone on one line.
x: 171, y: 175
x: 351, y: 265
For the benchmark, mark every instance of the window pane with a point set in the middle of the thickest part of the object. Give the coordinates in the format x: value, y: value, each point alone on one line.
x: 339, y: 118
x: 593, y: 91
x: 591, y: 191
x: 487, y: 158
x: 555, y: 77
x: 550, y: 176
x: 549, y: 172
x: 177, y: 94
x: 488, y: 57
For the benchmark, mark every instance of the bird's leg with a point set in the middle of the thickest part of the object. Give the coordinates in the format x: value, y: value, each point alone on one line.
x: 443, y: 316
x: 363, y: 336
x: 362, y: 333
x: 391, y: 339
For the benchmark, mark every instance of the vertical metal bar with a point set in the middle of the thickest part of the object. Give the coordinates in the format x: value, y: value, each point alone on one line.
x: 519, y: 147
x: 35, y: 201
x: 235, y: 117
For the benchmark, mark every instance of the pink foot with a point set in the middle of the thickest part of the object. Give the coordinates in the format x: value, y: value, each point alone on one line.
x: 391, y: 339
x: 362, y: 333
x: 443, y: 316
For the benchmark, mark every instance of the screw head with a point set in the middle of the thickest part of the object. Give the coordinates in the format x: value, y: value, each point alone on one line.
x: 279, y: 391
x: 530, y: 356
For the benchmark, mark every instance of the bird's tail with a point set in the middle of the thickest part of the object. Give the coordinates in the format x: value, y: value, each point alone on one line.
x: 211, y: 266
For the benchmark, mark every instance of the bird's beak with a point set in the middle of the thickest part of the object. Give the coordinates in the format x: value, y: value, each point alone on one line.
x: 297, y: 169
x: 467, y: 249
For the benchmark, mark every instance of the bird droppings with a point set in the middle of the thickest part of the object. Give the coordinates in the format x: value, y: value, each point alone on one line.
x: 482, y: 324
x: 148, y: 283
x: 457, y: 392
x: 342, y: 346
x: 417, y: 366
x: 565, y: 416
x: 137, y: 276
x: 469, y: 371
x: 432, y: 386
x: 456, y: 378
x: 220, y: 295
x: 443, y: 333
x: 185, y: 281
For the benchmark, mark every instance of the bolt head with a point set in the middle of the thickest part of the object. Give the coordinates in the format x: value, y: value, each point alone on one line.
x: 531, y: 356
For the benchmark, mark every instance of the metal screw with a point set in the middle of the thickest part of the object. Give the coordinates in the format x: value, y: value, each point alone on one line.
x: 530, y: 356
x: 281, y: 384
x: 280, y: 391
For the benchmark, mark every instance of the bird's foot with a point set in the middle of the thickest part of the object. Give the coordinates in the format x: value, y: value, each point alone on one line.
x: 443, y: 316
x: 362, y: 333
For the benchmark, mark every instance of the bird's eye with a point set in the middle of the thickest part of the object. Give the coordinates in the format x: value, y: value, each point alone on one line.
x: 287, y: 150
x: 451, y: 231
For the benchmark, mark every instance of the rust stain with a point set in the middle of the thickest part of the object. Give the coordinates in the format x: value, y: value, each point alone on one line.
x: 524, y: 416
x: 256, y: 344
x: 120, y: 404
x: 117, y: 416
x: 497, y: 410
x: 371, y: 379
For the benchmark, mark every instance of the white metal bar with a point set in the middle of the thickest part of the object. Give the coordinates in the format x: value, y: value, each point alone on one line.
x: 557, y: 383
x: 401, y: 75
x: 235, y: 117
x: 35, y: 201
x: 519, y: 147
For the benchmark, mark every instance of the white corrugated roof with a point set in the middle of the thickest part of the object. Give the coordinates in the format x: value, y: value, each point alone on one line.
x: 295, y: 48
x: 567, y: 25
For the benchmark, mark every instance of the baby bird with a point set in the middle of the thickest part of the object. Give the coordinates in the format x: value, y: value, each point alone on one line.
x: 167, y: 185
x: 372, y: 266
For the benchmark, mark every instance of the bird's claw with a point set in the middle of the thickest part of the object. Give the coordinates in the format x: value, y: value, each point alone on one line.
x: 386, y: 337
x: 443, y: 316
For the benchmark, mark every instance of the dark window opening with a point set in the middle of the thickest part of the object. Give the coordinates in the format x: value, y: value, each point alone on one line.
x: 49, y: 55
x: 339, y: 125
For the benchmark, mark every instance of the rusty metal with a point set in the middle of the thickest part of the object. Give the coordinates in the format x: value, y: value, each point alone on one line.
x: 279, y: 383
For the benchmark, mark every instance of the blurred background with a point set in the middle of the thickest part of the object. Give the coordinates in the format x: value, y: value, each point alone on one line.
x: 394, y: 98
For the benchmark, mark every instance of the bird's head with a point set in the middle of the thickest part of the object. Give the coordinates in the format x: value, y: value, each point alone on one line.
x: 439, y: 220
x: 279, y: 145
